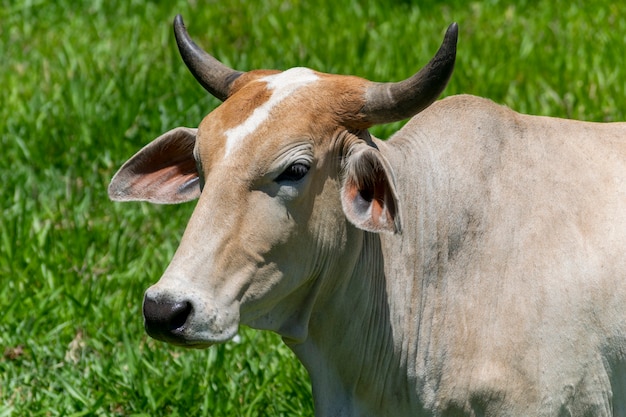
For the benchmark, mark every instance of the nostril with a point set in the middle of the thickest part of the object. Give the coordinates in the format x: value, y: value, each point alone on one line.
x: 181, y: 313
x: 164, y: 318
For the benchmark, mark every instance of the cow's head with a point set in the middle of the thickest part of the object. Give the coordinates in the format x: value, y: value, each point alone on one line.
x: 284, y: 170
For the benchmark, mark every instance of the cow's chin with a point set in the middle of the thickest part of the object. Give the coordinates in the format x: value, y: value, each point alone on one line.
x: 189, y: 344
x: 193, y: 340
x: 194, y: 344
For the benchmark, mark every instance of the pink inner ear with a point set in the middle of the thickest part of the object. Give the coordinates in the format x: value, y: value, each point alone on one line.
x: 377, y: 210
x: 165, y: 174
x: 169, y: 184
x: 368, y: 198
x: 370, y: 206
x: 174, y: 152
x: 164, y: 171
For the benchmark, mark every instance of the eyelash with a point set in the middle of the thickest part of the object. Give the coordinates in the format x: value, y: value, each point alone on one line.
x: 295, y: 172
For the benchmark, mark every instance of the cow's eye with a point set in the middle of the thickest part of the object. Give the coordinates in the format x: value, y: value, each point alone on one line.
x: 295, y: 172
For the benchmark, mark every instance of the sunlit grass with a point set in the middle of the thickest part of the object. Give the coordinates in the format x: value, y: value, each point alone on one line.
x: 86, y: 84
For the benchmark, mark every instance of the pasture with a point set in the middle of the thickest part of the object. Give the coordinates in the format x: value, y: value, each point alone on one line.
x: 85, y: 84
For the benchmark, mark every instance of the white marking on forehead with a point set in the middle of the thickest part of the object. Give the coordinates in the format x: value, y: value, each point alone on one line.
x: 282, y: 86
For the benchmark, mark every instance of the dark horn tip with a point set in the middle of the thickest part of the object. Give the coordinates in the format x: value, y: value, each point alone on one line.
x: 390, y: 102
x: 443, y: 62
x: 214, y: 76
x: 178, y: 22
x: 450, y: 39
x: 452, y: 34
x: 180, y: 31
x: 453, y: 29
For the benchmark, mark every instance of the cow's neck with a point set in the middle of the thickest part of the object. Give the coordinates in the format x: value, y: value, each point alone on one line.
x: 367, y: 346
x: 349, y: 351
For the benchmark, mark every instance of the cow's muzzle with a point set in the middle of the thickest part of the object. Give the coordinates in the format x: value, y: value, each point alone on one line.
x: 165, y: 320
x: 180, y: 319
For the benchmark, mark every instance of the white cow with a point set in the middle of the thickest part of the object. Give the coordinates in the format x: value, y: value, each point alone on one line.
x: 471, y: 265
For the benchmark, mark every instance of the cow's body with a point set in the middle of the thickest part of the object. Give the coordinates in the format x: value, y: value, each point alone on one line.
x: 471, y: 265
x: 507, y: 295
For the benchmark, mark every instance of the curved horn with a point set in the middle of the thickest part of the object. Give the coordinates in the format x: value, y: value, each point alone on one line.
x: 214, y: 76
x: 390, y: 102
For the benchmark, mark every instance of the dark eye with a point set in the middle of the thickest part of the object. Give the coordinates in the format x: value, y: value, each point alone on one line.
x: 295, y: 172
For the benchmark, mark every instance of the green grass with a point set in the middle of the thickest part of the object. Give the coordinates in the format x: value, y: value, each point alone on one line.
x: 86, y: 84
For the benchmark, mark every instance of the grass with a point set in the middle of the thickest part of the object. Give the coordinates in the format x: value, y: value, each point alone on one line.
x: 86, y: 83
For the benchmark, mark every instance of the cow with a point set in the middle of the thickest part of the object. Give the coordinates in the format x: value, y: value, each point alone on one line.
x: 472, y: 264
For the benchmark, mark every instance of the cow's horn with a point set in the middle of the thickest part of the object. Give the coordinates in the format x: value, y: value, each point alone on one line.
x: 389, y: 102
x: 214, y: 76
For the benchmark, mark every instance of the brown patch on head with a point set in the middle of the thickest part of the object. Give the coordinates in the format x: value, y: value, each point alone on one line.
x: 341, y: 97
x: 246, y: 95
x: 248, y: 77
x: 346, y: 99
x: 314, y: 111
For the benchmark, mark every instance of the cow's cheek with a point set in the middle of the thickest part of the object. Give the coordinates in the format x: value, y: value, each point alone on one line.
x: 275, y: 236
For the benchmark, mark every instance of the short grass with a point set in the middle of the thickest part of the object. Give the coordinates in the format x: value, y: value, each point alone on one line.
x: 84, y: 84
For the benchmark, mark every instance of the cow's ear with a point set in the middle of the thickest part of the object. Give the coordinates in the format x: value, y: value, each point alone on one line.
x: 163, y: 172
x: 368, y: 194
